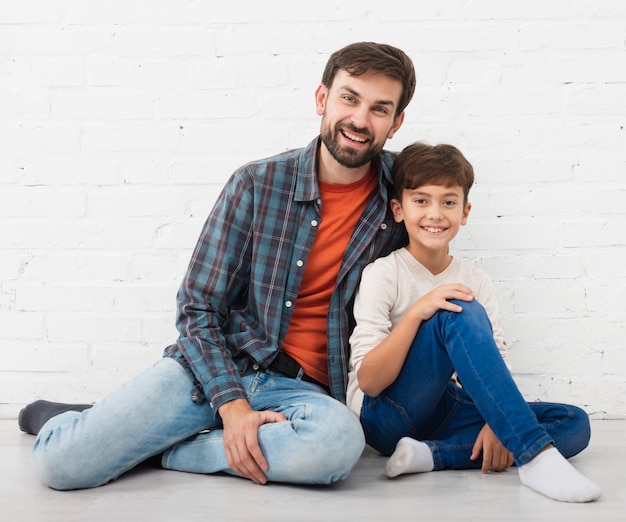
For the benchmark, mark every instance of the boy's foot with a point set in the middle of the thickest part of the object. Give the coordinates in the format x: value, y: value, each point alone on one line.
x: 550, y: 474
x: 36, y: 414
x: 410, y: 456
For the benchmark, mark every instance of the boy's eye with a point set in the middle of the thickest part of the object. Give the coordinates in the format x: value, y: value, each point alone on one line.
x: 449, y: 203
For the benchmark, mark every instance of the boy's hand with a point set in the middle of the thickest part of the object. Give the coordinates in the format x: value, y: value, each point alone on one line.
x: 439, y: 299
x: 495, y: 456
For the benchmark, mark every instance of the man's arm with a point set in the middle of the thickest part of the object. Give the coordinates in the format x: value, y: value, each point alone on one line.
x: 217, y: 277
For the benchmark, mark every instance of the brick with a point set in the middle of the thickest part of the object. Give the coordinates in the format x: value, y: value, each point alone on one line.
x: 41, y: 202
x: 88, y: 327
x: 43, y: 298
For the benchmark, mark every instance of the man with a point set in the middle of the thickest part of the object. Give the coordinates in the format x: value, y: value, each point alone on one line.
x: 255, y: 383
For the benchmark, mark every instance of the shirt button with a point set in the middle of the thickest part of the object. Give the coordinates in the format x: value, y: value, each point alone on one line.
x: 288, y: 304
x: 383, y: 226
x: 299, y: 262
x: 314, y: 223
x: 255, y: 367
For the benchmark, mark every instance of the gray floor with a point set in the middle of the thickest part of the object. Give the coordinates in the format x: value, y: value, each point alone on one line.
x: 154, y: 494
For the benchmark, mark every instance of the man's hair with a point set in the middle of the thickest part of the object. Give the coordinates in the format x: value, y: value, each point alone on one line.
x: 420, y: 164
x: 365, y: 57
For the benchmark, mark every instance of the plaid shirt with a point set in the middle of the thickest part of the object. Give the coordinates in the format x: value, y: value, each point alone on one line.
x: 238, y: 295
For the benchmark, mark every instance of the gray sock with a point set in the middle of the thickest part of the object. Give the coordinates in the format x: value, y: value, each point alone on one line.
x: 36, y: 414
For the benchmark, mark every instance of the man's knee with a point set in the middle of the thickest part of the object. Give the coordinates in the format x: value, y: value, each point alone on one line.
x: 62, y: 465
x: 342, y: 444
x: 330, y: 443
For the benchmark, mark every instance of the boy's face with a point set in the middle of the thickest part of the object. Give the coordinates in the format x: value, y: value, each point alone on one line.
x: 432, y: 215
x: 358, y: 116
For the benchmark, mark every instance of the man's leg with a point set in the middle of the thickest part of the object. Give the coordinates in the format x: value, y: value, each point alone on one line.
x: 144, y: 417
x: 320, y: 442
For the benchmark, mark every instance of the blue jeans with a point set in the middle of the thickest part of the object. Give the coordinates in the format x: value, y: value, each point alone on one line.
x: 320, y: 442
x: 423, y: 404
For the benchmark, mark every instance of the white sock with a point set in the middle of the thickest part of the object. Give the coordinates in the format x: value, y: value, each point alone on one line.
x: 410, y: 456
x: 550, y: 474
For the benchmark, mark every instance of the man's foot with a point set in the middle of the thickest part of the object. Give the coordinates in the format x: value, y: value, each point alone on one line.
x: 36, y: 414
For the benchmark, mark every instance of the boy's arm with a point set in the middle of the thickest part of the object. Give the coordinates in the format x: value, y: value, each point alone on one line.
x: 381, y: 366
x: 378, y: 348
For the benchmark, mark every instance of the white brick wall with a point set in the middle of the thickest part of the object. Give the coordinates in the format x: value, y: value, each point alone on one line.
x: 120, y: 121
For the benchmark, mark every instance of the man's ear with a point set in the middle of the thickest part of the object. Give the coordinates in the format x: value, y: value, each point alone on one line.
x: 396, y: 209
x: 466, y: 211
x: 321, y: 93
x: 397, y: 123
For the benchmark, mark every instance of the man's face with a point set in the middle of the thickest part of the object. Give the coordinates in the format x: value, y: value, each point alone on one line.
x: 358, y: 116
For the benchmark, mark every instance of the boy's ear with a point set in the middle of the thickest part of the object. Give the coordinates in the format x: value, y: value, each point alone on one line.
x: 396, y: 208
x: 466, y: 211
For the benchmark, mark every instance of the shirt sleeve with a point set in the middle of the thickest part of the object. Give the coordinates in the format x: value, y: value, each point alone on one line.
x: 217, y: 277
x: 373, y: 306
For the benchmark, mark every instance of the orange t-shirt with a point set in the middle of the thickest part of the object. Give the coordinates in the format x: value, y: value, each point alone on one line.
x: 306, y: 338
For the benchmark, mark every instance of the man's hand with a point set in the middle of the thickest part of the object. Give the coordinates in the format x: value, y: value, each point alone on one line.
x: 241, y: 424
x: 495, y: 456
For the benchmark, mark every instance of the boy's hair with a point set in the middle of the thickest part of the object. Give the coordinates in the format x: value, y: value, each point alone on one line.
x: 363, y: 57
x: 420, y: 164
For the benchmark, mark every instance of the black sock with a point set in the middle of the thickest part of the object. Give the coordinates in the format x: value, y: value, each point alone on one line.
x: 36, y: 414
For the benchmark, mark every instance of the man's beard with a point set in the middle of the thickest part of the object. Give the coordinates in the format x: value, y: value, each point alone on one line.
x: 348, y: 157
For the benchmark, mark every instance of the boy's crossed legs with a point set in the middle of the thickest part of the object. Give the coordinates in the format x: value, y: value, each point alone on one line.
x: 422, y: 405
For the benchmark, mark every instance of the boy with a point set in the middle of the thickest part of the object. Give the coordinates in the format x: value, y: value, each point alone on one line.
x: 427, y: 374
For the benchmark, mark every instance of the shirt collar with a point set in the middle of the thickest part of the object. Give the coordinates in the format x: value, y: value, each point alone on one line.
x: 307, y: 188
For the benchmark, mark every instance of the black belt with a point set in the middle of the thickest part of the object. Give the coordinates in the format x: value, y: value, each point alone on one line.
x: 290, y: 368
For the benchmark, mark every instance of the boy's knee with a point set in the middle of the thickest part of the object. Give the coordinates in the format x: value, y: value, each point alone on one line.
x: 582, y: 428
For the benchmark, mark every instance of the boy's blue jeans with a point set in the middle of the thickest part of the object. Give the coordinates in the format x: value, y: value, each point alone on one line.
x: 423, y: 404
x: 320, y: 442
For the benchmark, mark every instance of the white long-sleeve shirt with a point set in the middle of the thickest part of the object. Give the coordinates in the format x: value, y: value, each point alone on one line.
x: 389, y: 286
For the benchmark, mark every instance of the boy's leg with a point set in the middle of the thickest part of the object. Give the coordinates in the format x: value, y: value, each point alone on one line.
x: 142, y: 418
x: 568, y: 427
x: 320, y: 442
x: 468, y: 343
x: 419, y: 405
